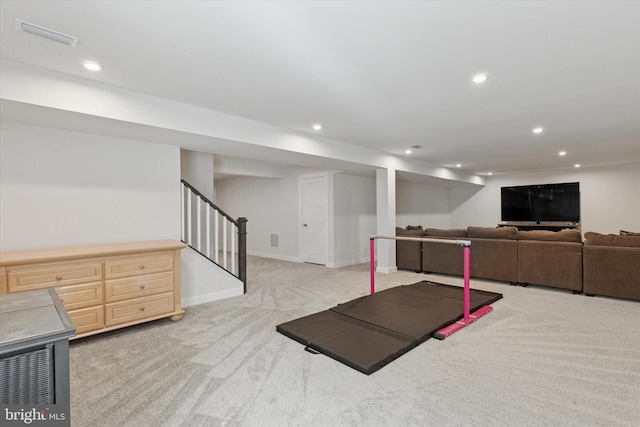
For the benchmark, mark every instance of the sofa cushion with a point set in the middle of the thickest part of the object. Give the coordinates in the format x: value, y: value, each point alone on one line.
x: 509, y: 233
x: 553, y: 236
x: 628, y: 233
x: 408, y: 233
x: 597, y: 239
x: 414, y: 227
x: 439, y: 232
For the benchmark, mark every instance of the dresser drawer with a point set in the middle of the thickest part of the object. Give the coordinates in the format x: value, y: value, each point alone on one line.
x: 80, y: 296
x: 138, y: 309
x: 138, y: 265
x: 46, y: 275
x: 87, y: 319
x: 138, y: 286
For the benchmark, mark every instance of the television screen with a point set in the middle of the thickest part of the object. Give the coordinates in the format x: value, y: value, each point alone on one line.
x: 546, y: 202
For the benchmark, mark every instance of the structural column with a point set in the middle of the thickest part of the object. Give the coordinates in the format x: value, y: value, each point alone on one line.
x: 386, y: 219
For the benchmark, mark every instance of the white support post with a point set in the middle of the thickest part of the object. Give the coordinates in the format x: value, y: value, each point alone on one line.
x: 386, y: 218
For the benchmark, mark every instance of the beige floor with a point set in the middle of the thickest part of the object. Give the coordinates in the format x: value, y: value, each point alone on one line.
x: 543, y: 357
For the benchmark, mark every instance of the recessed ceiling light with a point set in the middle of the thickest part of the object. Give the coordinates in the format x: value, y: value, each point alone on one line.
x: 577, y: 165
x: 537, y: 129
x: 92, y: 66
x: 562, y: 153
x: 490, y: 173
x: 479, y: 78
x: 458, y: 165
x: 408, y: 151
x: 317, y: 126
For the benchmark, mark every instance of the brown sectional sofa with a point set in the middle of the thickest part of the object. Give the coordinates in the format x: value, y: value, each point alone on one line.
x: 408, y: 253
x: 550, y: 258
x: 443, y: 257
x: 612, y: 265
x: 602, y: 265
x: 493, y: 252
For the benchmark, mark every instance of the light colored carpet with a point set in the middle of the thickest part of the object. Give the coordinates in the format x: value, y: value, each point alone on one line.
x: 543, y: 357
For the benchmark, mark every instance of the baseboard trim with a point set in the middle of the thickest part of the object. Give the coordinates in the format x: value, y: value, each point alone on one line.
x: 274, y: 256
x: 387, y: 270
x: 214, y: 296
x: 348, y: 263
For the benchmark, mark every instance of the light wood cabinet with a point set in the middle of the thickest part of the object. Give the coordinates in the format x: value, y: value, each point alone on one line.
x: 103, y: 287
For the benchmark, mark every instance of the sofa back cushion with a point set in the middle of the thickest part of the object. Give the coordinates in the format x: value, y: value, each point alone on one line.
x: 597, y: 239
x: 508, y: 233
x: 408, y: 233
x: 553, y: 236
x: 445, y: 233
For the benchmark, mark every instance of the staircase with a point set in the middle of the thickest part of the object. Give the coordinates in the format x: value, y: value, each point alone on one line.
x: 213, y: 233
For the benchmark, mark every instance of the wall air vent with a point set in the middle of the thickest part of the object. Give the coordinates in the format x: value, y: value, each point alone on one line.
x: 37, y: 30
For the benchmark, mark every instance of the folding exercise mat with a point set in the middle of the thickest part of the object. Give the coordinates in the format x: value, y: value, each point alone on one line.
x: 369, y: 332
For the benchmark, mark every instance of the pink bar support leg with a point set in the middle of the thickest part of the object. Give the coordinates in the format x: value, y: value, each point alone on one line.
x: 467, y: 274
x: 372, y: 264
x: 468, y: 318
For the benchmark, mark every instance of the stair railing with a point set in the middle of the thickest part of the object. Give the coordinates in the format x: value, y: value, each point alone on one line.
x: 213, y: 233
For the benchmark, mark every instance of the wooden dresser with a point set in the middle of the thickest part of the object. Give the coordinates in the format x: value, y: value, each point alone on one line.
x: 102, y: 287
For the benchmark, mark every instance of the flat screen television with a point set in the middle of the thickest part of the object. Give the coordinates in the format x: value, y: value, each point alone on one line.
x: 541, y: 203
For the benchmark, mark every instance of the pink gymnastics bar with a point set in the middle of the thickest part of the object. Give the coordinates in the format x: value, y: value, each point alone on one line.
x: 372, y: 263
x: 468, y: 318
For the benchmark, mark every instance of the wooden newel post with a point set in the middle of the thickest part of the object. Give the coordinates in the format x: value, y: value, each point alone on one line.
x: 242, y: 251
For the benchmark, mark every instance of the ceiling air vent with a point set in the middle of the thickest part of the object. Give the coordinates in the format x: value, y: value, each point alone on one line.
x: 416, y: 147
x: 37, y: 30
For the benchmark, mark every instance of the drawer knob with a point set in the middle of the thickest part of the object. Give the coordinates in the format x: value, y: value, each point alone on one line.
x: 59, y: 277
x: 141, y: 308
x: 141, y: 266
x: 142, y: 286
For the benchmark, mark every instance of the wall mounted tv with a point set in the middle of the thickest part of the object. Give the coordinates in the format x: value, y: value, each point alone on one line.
x: 541, y: 203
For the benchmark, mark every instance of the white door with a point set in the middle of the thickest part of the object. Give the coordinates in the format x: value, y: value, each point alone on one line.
x: 313, y: 219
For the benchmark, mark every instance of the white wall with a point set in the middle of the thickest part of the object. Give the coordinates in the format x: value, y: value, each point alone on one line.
x: 270, y: 206
x: 421, y: 204
x: 197, y: 169
x: 203, y: 281
x: 60, y: 188
x: 354, y: 219
x: 609, y: 197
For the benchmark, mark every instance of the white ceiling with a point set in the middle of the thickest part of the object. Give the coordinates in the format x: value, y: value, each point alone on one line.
x: 383, y: 74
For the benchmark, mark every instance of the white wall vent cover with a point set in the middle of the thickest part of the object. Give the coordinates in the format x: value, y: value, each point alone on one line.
x: 37, y: 30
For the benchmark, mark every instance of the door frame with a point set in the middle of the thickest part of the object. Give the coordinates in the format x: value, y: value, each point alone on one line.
x: 328, y: 178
